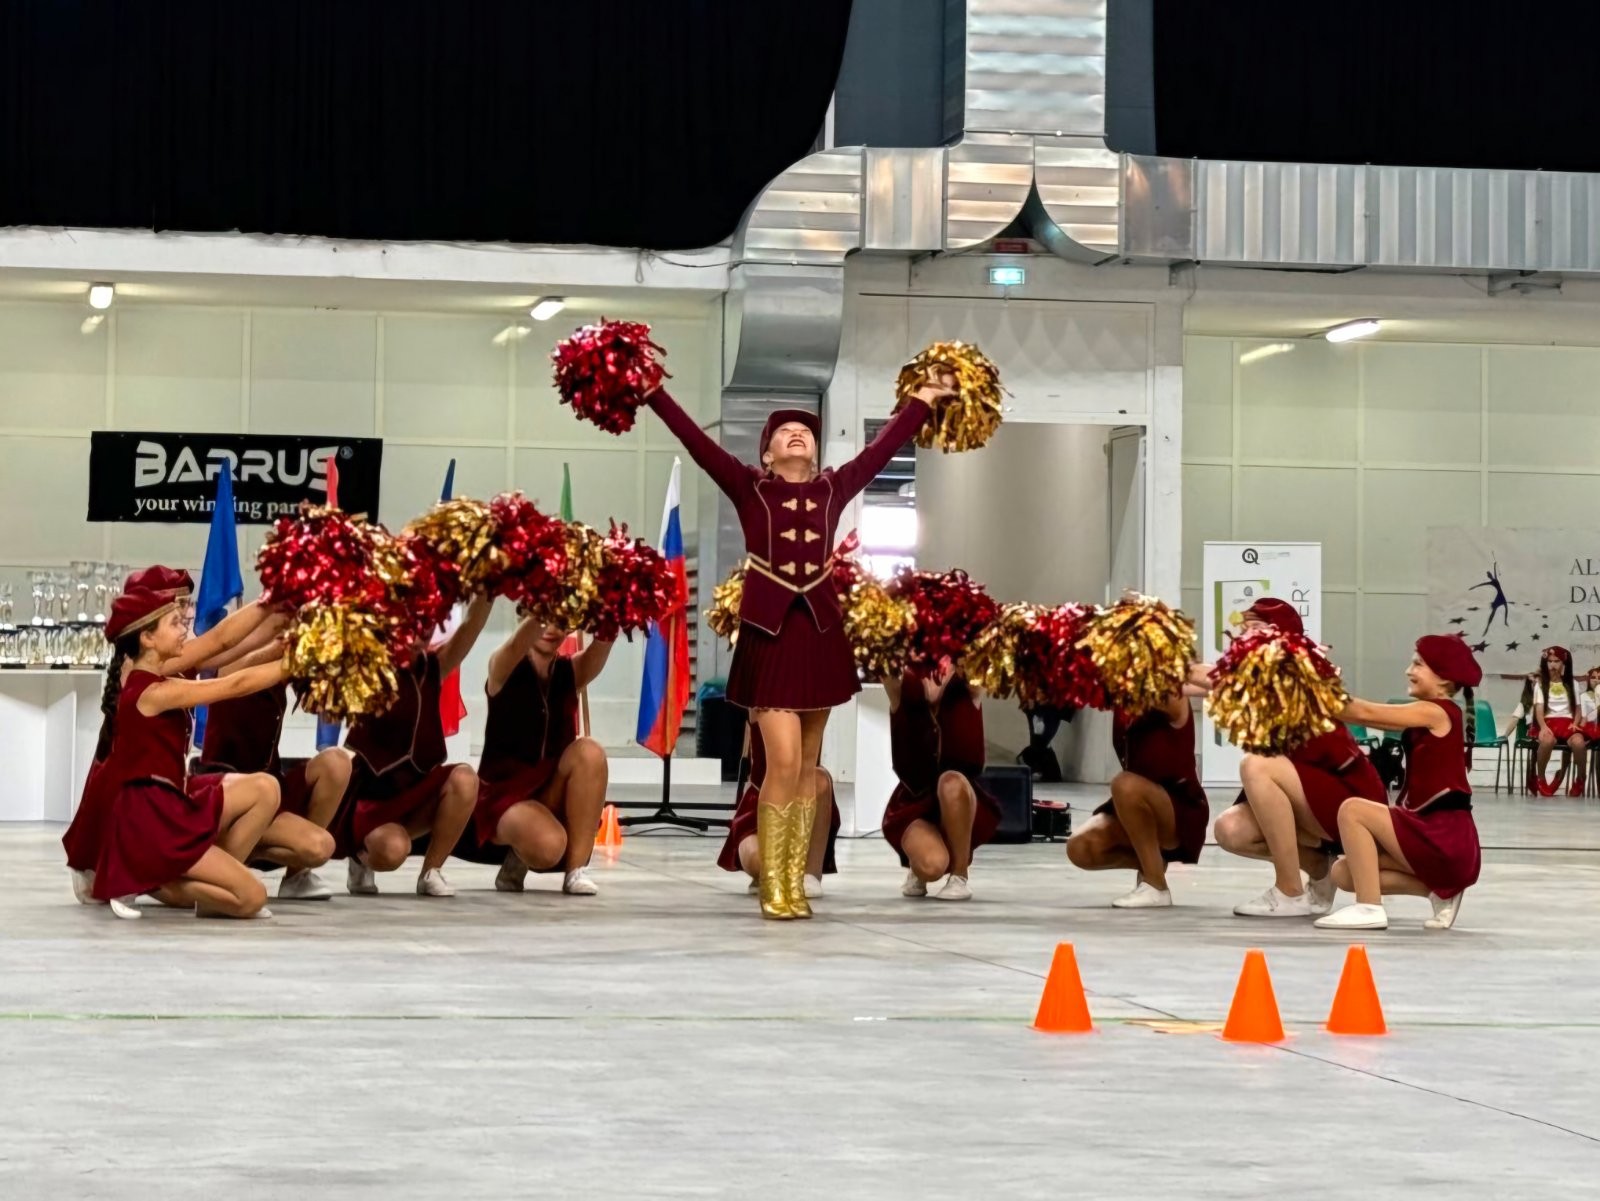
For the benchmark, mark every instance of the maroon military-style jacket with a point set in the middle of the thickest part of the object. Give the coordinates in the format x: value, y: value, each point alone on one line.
x: 789, y: 529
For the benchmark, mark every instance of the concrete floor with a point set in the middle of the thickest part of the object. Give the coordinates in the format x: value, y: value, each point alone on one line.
x: 659, y: 1040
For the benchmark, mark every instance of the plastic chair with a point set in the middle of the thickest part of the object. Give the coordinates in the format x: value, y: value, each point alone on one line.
x: 1363, y: 736
x: 1486, y: 735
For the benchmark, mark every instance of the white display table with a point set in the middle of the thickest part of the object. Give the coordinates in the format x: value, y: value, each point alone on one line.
x: 875, y: 778
x: 49, y: 721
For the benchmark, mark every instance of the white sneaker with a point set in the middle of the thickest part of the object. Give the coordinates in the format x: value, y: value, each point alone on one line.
x: 360, y: 880
x: 513, y: 874
x: 1355, y: 917
x: 577, y: 883
x: 303, y: 886
x: 955, y: 888
x: 913, y: 886
x: 1144, y: 896
x: 1274, y: 903
x: 1444, y: 912
x: 755, y: 887
x: 82, y: 886
x: 126, y: 907
x: 432, y: 883
x: 1321, y: 893
x: 813, y: 887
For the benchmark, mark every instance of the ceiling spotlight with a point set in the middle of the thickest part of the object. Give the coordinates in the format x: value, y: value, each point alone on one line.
x: 1363, y: 327
x: 547, y: 308
x: 1266, y: 351
x: 101, y: 295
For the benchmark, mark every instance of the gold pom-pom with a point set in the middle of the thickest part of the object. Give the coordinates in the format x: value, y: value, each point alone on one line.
x: 338, y: 660
x: 723, y: 616
x: 465, y: 533
x: 997, y: 659
x: 1143, y: 649
x: 879, y: 628
x: 1272, y: 692
x: 966, y: 420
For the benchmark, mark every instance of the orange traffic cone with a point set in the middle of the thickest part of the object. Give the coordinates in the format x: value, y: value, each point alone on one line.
x: 1063, y: 1009
x: 1253, y: 1017
x: 610, y: 830
x: 1356, y: 1009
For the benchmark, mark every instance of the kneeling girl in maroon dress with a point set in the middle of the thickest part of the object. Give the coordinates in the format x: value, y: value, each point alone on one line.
x: 792, y: 663
x: 184, y: 839
x: 1427, y: 843
x: 401, y: 788
x: 1289, y: 810
x: 939, y: 813
x: 1158, y: 810
x: 242, y: 736
x: 741, y: 850
x: 540, y: 786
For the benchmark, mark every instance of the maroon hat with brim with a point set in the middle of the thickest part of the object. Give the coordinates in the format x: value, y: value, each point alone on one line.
x: 1276, y: 613
x: 166, y: 581
x: 781, y: 417
x: 1450, y: 658
x: 137, y: 609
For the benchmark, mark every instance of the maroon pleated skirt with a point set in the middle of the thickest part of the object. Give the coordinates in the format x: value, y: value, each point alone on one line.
x: 906, y: 807
x: 86, y: 835
x: 1441, y: 845
x: 521, y: 783
x: 155, y: 834
x: 744, y: 826
x: 373, y: 800
x: 1326, y: 791
x: 1191, y: 814
x: 801, y: 668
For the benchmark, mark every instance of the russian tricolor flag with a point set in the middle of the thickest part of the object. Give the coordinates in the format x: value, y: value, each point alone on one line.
x: 664, y: 692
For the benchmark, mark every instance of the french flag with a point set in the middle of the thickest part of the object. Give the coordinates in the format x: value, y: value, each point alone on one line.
x: 664, y: 692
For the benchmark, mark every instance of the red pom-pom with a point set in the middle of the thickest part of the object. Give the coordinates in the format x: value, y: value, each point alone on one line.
x: 1069, y: 677
x: 535, y: 548
x: 605, y: 372
x: 634, y: 588
x: 951, y: 610
x: 423, y: 587
x: 847, y: 569
x: 321, y: 557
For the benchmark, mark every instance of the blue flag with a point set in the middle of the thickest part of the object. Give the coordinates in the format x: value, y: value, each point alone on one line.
x: 220, y: 580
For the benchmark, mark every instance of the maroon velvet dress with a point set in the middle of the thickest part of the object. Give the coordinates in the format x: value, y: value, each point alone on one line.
x: 1151, y: 747
x: 792, y: 652
x: 85, y: 834
x: 743, y: 825
x: 1332, y: 769
x: 242, y: 736
x: 923, y: 745
x: 531, y: 723
x: 1433, y: 815
x: 398, y: 763
x: 160, y: 822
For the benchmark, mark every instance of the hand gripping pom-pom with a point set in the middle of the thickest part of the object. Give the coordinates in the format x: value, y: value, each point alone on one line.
x: 1143, y: 649
x: 1274, y: 691
x: 339, y: 663
x: 726, y: 597
x: 535, y: 550
x: 966, y: 420
x: 605, y: 372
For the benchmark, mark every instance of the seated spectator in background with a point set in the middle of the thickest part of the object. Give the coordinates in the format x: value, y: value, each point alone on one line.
x: 1556, y: 720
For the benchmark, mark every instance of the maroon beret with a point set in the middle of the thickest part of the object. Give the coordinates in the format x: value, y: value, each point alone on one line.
x: 135, y: 609
x: 1450, y: 658
x: 1276, y: 613
x: 164, y: 580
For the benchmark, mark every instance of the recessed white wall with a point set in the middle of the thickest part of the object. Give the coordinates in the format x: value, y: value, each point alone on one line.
x: 1364, y: 446
x: 434, y: 386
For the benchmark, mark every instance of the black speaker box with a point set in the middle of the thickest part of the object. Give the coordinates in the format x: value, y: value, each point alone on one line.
x: 1012, y: 785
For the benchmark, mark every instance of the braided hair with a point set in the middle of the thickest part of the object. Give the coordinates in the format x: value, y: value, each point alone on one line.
x: 1470, y: 708
x: 125, y: 648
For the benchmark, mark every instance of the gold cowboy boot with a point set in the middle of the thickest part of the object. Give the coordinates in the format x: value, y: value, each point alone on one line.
x: 772, y: 842
x: 794, y: 875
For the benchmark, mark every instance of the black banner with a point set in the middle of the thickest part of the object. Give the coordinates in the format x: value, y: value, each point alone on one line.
x: 173, y: 477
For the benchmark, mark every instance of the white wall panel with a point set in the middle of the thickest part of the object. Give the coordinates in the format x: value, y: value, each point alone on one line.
x: 1208, y: 397
x: 605, y: 485
x: 52, y: 374
x: 1207, y: 514
x: 44, y: 493
x: 313, y: 373
x: 179, y: 369
x: 1339, y: 628
x: 1391, y: 626
x: 1399, y: 508
x: 1542, y: 410
x: 444, y: 377
x: 1519, y: 498
x: 413, y: 476
x: 1421, y: 404
x: 1297, y: 504
x: 1297, y: 404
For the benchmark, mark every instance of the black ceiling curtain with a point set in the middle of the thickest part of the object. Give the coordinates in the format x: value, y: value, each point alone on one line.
x: 1451, y: 83
x: 625, y: 123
